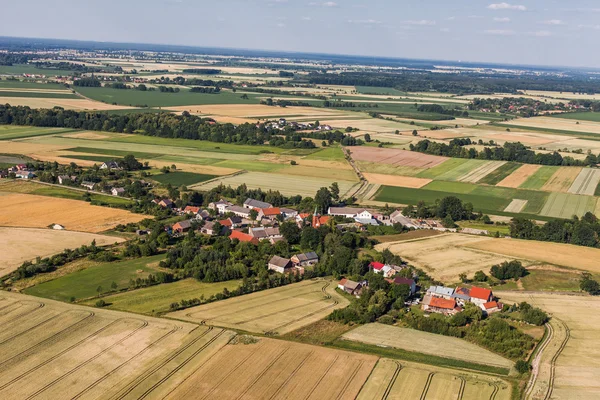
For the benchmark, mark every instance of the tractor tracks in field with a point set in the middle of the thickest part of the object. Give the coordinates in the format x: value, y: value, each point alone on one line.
x: 562, y: 346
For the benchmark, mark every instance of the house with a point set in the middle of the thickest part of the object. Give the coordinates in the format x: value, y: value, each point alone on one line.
x: 220, y: 206
x: 405, y: 281
x: 21, y: 167
x: 376, y: 266
x: 269, y: 213
x: 209, y: 228
x: 342, y: 283
x: 63, y: 179
x: 305, y: 259
x: 110, y: 165
x: 25, y: 175
x: 239, y: 211
x: 367, y: 221
x: 350, y: 212
x: 88, y: 185
x: 462, y: 295
x: 351, y: 287
x: 480, y: 296
x: 242, y: 237
x: 280, y: 264
x: 117, y: 191
x: 397, y: 218
x: 256, y: 204
x: 440, y: 291
x: 440, y: 305
x: 166, y: 203
x: 182, y: 226
x: 265, y: 233
x: 191, y: 210
x: 227, y: 223
x: 205, y: 215
x: 319, y: 221
x: 288, y: 213
x: 491, y: 307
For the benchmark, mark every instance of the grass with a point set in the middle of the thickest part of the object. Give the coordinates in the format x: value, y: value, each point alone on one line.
x: 17, y: 84
x: 502, y: 229
x: 250, y: 165
x: 177, y: 179
x: 461, y: 170
x: 417, y: 234
x: 83, y: 284
x: 565, y: 205
x: 40, y: 95
x: 113, y: 153
x: 500, y: 173
x: 583, y: 116
x: 20, y: 69
x: 586, y: 135
x: 157, y: 299
x: 539, y: 178
x: 10, y: 132
x: 318, y: 333
x: 452, y: 187
x: 390, y: 352
x: 333, y: 153
x: 433, y: 173
x: 379, y: 90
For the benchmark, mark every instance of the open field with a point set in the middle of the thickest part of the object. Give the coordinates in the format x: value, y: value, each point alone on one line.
x: 462, y: 170
x: 275, y: 369
x: 69, y: 104
x: 182, y: 178
x: 538, y: 178
x: 562, y: 179
x: 442, y: 168
x: 499, y: 174
x: 519, y: 176
x: 157, y: 299
x: 54, y: 350
x: 481, y: 171
x: 83, y: 284
x: 254, y: 112
x: 561, y: 124
x: 404, y: 380
x: 41, y: 243
x: 445, y: 257
x: 565, y: 205
x: 399, y: 158
x: 569, y: 364
x: 287, y: 184
x: 516, y: 206
x: 586, y: 182
x: 580, y: 116
x: 289, y: 307
x: 32, y: 211
x: 425, y: 342
x: 9, y: 132
x: 400, y: 181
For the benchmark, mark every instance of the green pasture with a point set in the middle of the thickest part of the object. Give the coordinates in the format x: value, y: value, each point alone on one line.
x: 157, y: 299
x: 84, y: 284
x: 190, y: 160
x: 113, y: 153
x: 500, y: 173
x: 565, y: 205
x: 583, y: 116
x: 379, y: 90
x: 460, y: 170
x: 20, y: 69
x: 250, y: 165
x: 448, y: 165
x: 333, y: 153
x: 41, y: 95
x: 9, y: 132
x: 182, y: 178
x: 18, y: 84
x: 539, y: 178
x: 388, y: 169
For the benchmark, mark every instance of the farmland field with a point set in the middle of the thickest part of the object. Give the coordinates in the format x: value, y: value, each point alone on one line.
x: 404, y: 380
x: 32, y: 211
x: 477, y: 174
x: 435, y: 172
x: 396, y: 180
x: 535, y: 179
x: 586, y: 182
x: 516, y: 206
x: 84, y: 283
x: 425, y: 342
x: 41, y: 243
x: 500, y: 174
x: 288, y: 185
x: 398, y: 158
x: 562, y: 179
x: 8, y: 132
x: 278, y: 310
x: 157, y: 299
x: 182, y: 178
x: 569, y: 364
x: 519, y: 176
x: 565, y: 205
x: 462, y: 170
x: 562, y: 124
x: 580, y: 116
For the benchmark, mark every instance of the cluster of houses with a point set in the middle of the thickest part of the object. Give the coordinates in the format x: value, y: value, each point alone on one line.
x: 296, y: 264
x: 450, y: 301
x: 282, y: 123
x: 20, y: 171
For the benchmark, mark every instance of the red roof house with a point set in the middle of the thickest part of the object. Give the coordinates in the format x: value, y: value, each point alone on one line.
x: 480, y: 296
x: 191, y: 209
x: 319, y: 220
x: 243, y: 237
x: 376, y: 265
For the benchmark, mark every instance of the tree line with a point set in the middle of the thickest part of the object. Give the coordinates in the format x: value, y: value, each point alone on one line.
x: 582, y: 231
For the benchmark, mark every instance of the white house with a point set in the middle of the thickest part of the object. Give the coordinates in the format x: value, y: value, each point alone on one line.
x: 118, y: 191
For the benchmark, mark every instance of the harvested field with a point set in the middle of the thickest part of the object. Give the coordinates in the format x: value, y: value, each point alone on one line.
x: 516, y: 206
x: 445, y: 257
x: 557, y: 124
x: 41, y: 243
x: 401, y: 181
x: 54, y: 350
x: 398, y: 380
x: 399, y: 158
x: 388, y: 169
x: 586, y: 182
x: 256, y: 111
x: 32, y: 211
x: 87, y: 135
x: 566, y: 255
x: 425, y: 342
x: 275, y: 311
x: 462, y: 169
x: 69, y: 104
x: 562, y: 179
x: 565, y: 205
x: 481, y: 172
x: 319, y: 171
x: 410, y: 235
x: 370, y: 125
x: 288, y: 185
x: 569, y: 365
x: 275, y: 369
x: 518, y: 177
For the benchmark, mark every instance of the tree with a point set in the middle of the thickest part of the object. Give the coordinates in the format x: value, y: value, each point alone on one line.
x: 100, y: 303
x: 522, y: 366
x: 99, y: 290
x: 253, y: 214
x: 290, y: 231
x: 113, y: 285
x: 480, y: 276
x: 334, y: 189
x: 451, y: 206
x: 323, y: 199
x: 415, y: 133
x: 367, y: 138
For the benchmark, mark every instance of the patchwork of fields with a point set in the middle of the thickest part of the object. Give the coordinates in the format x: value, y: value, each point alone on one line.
x: 275, y: 311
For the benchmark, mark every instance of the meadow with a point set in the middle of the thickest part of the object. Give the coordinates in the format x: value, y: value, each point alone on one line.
x: 83, y: 284
x: 177, y: 179
x: 10, y: 132
x: 580, y: 116
x: 273, y: 311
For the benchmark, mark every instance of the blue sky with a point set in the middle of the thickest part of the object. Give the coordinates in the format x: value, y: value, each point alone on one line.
x: 542, y: 32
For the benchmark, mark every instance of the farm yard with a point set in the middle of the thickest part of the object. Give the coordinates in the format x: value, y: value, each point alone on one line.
x: 41, y: 243
x: 403, y: 380
x: 291, y: 307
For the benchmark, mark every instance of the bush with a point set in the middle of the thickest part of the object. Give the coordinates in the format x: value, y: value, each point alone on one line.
x: 508, y: 270
x: 386, y: 319
x: 522, y: 366
x: 100, y: 303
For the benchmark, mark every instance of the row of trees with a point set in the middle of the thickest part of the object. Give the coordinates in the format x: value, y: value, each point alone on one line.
x: 582, y: 231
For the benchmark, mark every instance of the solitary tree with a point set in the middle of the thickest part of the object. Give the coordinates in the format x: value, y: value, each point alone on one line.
x: 99, y: 290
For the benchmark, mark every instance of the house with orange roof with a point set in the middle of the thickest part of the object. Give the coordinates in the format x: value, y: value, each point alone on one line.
x: 480, y: 296
x: 269, y: 213
x: 440, y: 305
x: 242, y: 237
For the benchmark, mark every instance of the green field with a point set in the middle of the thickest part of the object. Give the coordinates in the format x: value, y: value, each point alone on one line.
x: 17, y: 84
x: 9, y: 132
x: 21, y: 69
x: 113, y: 153
x: 182, y: 178
x: 379, y: 90
x: 83, y: 284
x: 333, y: 153
x: 585, y: 135
x: 157, y: 299
x: 497, y: 175
x: 448, y: 165
x: 491, y: 228
x: 583, y: 116
x: 460, y: 170
x: 539, y: 178
x: 41, y: 95
x: 251, y: 165
x: 565, y: 205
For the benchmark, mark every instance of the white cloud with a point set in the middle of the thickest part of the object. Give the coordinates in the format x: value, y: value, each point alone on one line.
x: 281, y: 25
x: 541, y: 33
x: 554, y: 22
x: 500, y: 32
x: 450, y: 18
x: 364, y: 21
x: 445, y: 30
x: 329, y: 4
x: 306, y: 19
x: 422, y: 22
x: 595, y: 27
x: 504, y: 19
x: 506, y: 6
x: 474, y: 16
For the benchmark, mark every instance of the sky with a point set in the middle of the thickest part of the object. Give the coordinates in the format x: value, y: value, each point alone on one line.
x: 533, y: 32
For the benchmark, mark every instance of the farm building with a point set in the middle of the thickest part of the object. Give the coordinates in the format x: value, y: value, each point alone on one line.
x: 264, y: 233
x: 242, y: 237
x: 63, y: 179
x: 440, y: 305
x: 117, y: 191
x: 256, y: 204
x: 351, y: 287
x: 209, y: 228
x: 25, y: 175
x: 305, y: 259
x: 166, y: 203
x: 404, y: 281
x: 288, y: 212
x: 269, y: 213
x: 462, y: 295
x: 88, y: 185
x: 191, y: 210
x: 110, y: 165
x: 182, y: 226
x: 440, y: 291
x: 350, y: 212
x: 397, y: 218
x: 220, y: 206
x: 480, y: 296
x: 491, y: 307
x: 239, y: 211
x: 280, y: 264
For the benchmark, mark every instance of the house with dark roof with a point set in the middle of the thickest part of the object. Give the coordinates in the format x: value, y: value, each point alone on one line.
x: 305, y: 259
x: 462, y: 295
x: 166, y: 203
x: 351, y: 287
x: 280, y: 264
x: 182, y: 226
x: 110, y: 165
x: 117, y: 192
x: 239, y: 211
x: 262, y: 233
x: 404, y: 281
x: 256, y: 204
x: 440, y: 291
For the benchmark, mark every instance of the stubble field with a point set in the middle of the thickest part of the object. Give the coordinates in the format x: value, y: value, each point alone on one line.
x: 273, y: 311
